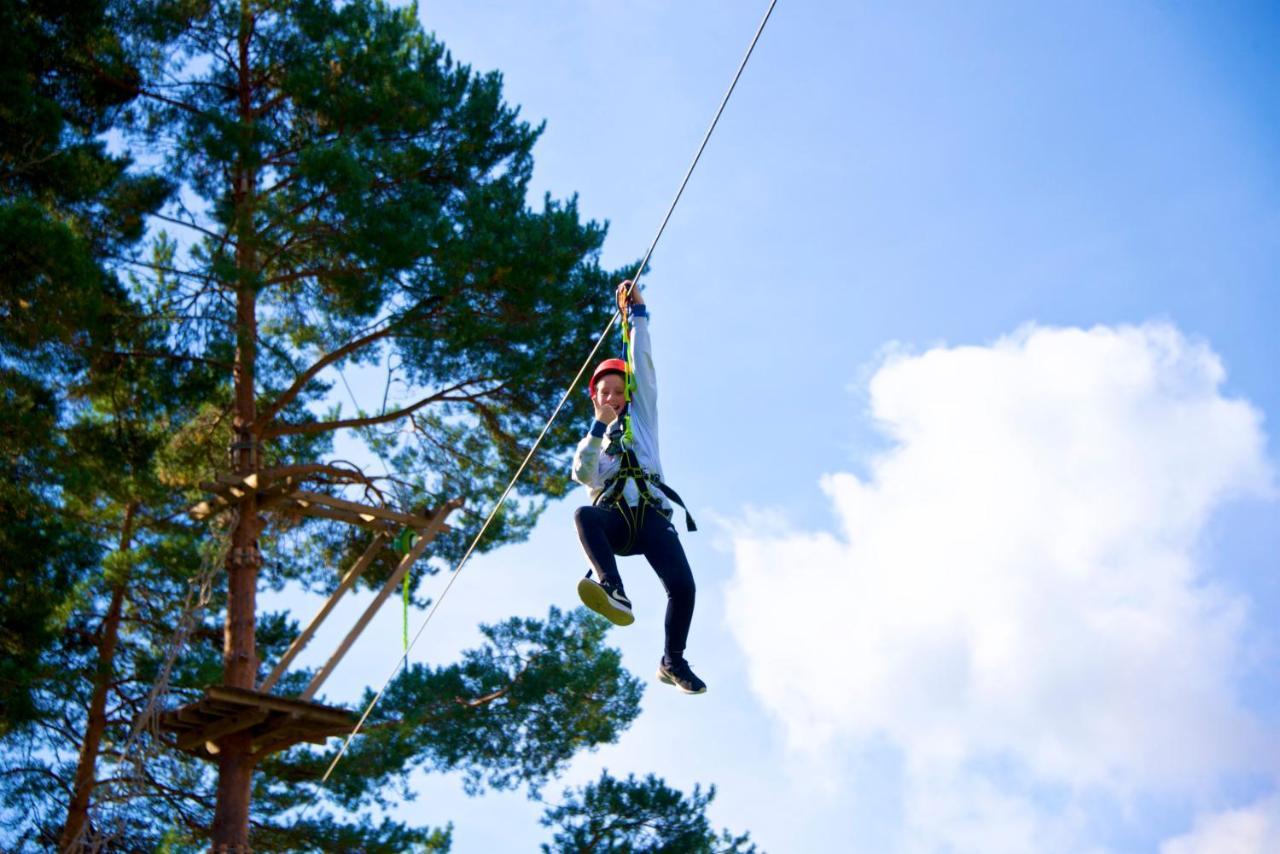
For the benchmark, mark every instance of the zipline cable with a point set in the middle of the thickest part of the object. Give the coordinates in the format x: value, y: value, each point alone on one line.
x: 635, y: 281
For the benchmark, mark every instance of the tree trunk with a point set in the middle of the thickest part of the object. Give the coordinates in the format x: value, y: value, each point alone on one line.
x: 96, y: 724
x: 240, y: 661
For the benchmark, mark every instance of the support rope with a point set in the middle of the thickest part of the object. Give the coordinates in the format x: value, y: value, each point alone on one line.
x: 635, y: 281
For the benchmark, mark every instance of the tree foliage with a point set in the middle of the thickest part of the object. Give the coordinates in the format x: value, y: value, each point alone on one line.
x: 512, y: 712
x: 363, y: 196
x: 332, y: 192
x: 634, y: 816
x: 66, y: 207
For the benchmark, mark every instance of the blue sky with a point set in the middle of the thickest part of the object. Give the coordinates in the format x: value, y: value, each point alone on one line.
x: 965, y: 332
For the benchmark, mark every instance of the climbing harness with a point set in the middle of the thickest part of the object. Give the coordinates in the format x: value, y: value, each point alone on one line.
x: 635, y: 280
x: 628, y: 343
x: 631, y: 470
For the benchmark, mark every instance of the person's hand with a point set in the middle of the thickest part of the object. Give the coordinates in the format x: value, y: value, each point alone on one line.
x: 604, y: 412
x: 628, y: 295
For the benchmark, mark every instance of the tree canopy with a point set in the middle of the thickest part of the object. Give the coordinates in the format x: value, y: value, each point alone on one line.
x: 67, y: 207
x: 637, y: 816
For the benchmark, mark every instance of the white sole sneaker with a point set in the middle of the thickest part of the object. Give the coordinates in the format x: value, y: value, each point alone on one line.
x: 595, y: 598
x: 664, y: 678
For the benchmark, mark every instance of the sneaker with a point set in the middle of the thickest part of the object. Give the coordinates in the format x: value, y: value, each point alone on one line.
x: 606, y: 599
x: 679, y: 675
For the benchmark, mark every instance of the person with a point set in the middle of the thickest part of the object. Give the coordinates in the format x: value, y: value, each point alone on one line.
x: 631, y: 507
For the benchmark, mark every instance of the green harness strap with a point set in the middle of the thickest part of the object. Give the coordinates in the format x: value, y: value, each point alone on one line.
x: 611, y: 495
x: 630, y: 465
x: 629, y: 347
x: 403, y: 543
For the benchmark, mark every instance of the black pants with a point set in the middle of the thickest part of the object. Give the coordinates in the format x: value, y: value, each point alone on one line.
x: 605, y: 532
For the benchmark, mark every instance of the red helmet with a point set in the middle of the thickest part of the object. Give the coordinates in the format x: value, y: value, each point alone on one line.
x: 608, y: 366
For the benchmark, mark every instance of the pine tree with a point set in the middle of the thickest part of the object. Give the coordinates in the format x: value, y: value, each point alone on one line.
x: 66, y: 207
x: 637, y: 816
x: 349, y: 195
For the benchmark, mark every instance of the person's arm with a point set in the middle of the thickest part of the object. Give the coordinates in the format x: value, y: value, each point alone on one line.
x: 644, y: 401
x: 586, y: 459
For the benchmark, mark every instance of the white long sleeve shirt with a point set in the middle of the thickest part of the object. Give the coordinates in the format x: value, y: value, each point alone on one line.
x: 591, y: 466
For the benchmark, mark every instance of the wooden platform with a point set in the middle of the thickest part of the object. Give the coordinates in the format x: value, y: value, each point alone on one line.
x: 275, y: 723
x: 283, y: 496
x: 278, y: 723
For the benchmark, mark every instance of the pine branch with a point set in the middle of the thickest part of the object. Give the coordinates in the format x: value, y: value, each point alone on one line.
x: 221, y: 238
x: 316, y: 272
x: 292, y: 392
x: 446, y: 395
x: 172, y: 357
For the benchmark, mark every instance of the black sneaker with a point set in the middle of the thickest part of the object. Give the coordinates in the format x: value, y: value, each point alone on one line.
x: 679, y: 675
x: 606, y: 599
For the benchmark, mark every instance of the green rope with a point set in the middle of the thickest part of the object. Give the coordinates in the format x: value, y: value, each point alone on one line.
x: 628, y: 343
x: 403, y: 543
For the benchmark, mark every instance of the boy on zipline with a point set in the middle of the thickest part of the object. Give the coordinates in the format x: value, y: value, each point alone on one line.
x: 631, y: 507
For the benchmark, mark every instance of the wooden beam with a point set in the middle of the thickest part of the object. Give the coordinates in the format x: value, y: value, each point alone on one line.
x: 287, y: 735
x: 228, y: 489
x: 278, y: 738
x: 348, y: 581
x: 347, y: 516
x: 214, y: 731
x: 424, y: 539
x: 365, y: 511
x: 208, y: 508
x: 245, y: 483
x: 315, y: 711
x: 277, y: 492
x: 192, y: 716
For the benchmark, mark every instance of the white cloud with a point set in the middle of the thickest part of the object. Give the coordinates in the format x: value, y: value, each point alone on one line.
x: 1250, y: 830
x: 1016, y: 577
x: 965, y: 810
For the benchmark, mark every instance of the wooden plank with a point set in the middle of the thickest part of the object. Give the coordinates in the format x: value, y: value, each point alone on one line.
x: 277, y: 493
x: 271, y: 744
x: 308, y: 504
x: 314, y: 711
x: 219, y: 729
x: 365, y: 511
x: 227, y: 489
x: 279, y: 739
x: 348, y: 581
x: 291, y: 731
x: 192, y: 716
x: 424, y: 540
x: 245, y: 483
x: 340, y: 516
x: 208, y: 508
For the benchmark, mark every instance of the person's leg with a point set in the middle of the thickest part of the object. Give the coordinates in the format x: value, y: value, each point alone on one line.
x: 603, y: 533
x: 661, y: 546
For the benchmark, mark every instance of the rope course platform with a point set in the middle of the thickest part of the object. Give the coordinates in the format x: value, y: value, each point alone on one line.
x: 278, y: 723
x: 274, y: 723
x: 280, y: 492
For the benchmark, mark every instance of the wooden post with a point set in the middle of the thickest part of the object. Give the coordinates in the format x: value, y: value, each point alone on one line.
x: 424, y: 539
x: 348, y: 581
